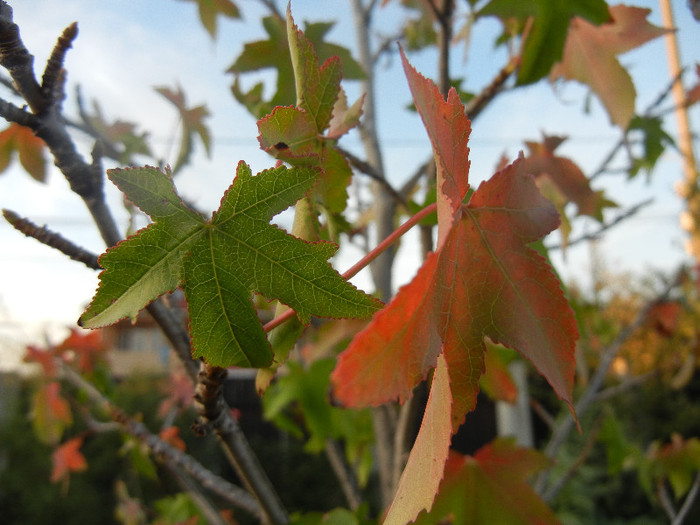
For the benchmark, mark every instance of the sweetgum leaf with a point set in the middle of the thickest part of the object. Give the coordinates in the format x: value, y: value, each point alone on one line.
x: 29, y: 148
x: 220, y: 263
x: 545, y: 41
x: 562, y: 181
x: 192, y: 120
x: 590, y: 57
x: 483, y: 281
x: 275, y: 53
x: 210, y: 9
x: 51, y: 413
x: 67, y: 458
x: 295, y: 133
x: 421, y: 478
x: 491, y: 487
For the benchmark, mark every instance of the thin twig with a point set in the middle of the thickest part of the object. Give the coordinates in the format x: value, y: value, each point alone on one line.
x: 584, y: 403
x: 665, y: 500
x: 345, y: 476
x: 689, y: 501
x: 214, y: 415
x: 605, y: 227
x: 209, y: 480
x: 367, y: 169
x: 52, y: 239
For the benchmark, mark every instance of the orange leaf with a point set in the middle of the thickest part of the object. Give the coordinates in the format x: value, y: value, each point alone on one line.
x: 484, y: 281
x: 497, y: 381
x: 87, y: 345
x: 45, y: 358
x: 51, y: 413
x: 491, y: 487
x: 171, y: 435
x: 663, y: 317
x: 568, y: 178
x: 589, y: 57
x: 66, y: 459
x: 29, y: 148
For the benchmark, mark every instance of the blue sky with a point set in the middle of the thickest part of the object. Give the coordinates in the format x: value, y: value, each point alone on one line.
x: 125, y: 47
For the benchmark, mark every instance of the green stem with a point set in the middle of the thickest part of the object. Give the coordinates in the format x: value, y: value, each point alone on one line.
x: 362, y: 263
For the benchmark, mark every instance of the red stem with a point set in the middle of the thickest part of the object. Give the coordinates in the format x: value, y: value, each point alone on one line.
x: 359, y: 265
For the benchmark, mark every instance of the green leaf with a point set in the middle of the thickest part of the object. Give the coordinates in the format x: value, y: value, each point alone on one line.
x: 210, y: 9
x: 275, y: 53
x: 294, y: 134
x: 220, y: 263
x: 192, y: 120
x: 547, y: 35
x: 654, y: 142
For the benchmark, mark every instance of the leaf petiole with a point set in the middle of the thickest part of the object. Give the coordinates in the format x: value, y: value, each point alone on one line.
x: 362, y: 263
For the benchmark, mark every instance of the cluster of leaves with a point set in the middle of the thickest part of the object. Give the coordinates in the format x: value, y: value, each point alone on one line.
x: 484, y: 287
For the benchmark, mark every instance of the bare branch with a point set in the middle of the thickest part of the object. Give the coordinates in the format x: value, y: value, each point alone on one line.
x: 345, y: 476
x: 605, y: 227
x: 214, y: 415
x: 158, y: 447
x: 52, y: 81
x: 690, y: 499
x: 52, y: 239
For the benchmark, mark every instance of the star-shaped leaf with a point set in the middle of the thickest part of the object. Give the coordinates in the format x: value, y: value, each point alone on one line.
x: 67, y: 458
x: 491, y: 487
x: 295, y: 133
x: 590, y: 57
x: 484, y: 281
x: 210, y: 9
x: 562, y: 181
x: 275, y: 53
x: 220, y: 263
x: 192, y: 120
x: 547, y: 34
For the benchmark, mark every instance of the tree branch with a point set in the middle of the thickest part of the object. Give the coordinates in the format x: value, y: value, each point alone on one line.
x: 214, y: 415
x: 158, y: 447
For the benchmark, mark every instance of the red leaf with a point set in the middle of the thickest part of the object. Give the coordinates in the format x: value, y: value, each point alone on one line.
x: 45, y: 358
x: 692, y: 95
x: 497, y: 381
x: 171, y: 435
x: 568, y: 178
x: 66, y: 459
x: 484, y: 281
x: 87, y: 346
x: 491, y: 487
x: 663, y: 316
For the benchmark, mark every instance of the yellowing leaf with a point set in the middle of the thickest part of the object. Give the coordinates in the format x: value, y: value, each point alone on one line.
x: 51, y: 413
x: 29, y: 148
x: 424, y: 470
x: 590, y: 57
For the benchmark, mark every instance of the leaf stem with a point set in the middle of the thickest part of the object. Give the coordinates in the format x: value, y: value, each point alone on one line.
x: 362, y: 263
